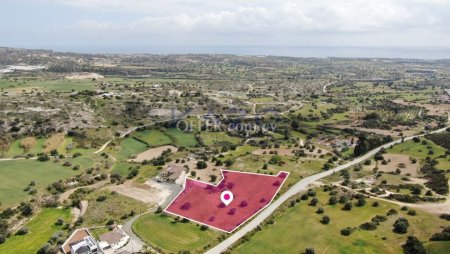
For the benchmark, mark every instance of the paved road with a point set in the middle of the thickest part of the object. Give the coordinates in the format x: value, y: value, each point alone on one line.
x: 135, y: 244
x: 302, y: 185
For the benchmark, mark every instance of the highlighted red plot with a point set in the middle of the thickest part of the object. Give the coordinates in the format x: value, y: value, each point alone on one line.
x: 202, y: 202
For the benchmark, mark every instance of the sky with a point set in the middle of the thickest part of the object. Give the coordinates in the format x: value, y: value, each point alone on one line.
x: 246, y: 25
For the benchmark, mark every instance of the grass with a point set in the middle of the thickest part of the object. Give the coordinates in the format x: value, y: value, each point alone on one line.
x: 153, y: 138
x: 16, y: 175
x: 417, y: 150
x: 181, y: 138
x: 41, y: 228
x: 60, y: 85
x: 306, y: 231
x: 158, y: 230
x: 438, y: 247
x: 130, y: 147
x: 122, y: 168
x: 215, y: 138
x: 113, y: 208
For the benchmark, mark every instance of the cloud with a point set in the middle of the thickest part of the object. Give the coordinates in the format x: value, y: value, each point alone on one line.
x: 290, y: 16
x: 250, y: 22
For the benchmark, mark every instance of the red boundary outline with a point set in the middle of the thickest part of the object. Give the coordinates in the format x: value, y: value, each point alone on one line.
x: 215, y: 185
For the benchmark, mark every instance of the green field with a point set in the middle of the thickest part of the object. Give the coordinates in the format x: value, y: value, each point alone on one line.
x: 299, y: 228
x: 181, y: 138
x: 61, y: 85
x: 16, y: 149
x: 122, y: 168
x: 17, y: 174
x: 41, y: 228
x: 158, y: 230
x: 129, y: 147
x: 214, y: 138
x: 153, y: 138
x: 420, y: 151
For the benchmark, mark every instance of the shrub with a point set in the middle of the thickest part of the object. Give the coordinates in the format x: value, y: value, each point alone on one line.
x: 401, y: 225
x: 320, y: 210
x: 22, y: 231
x: 313, y: 202
x: 202, y: 165
x: 333, y: 200
x: 346, y: 231
x: 391, y: 212
x: 368, y: 226
x: 413, y: 246
x: 325, y: 220
x: 309, y: 251
x: 101, y: 198
x: 412, y: 212
x: 348, y: 206
x: 375, y: 204
x: 443, y: 236
x: 378, y: 219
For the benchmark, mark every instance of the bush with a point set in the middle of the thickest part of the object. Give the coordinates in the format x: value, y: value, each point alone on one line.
x: 378, y: 219
x: 401, y: 225
x: 346, y: 231
x: 101, y: 198
x: 413, y: 246
x: 443, y: 236
x: 391, y: 212
x: 368, y: 226
x: 412, y: 212
x: 320, y: 210
x: 22, y: 231
x: 333, y: 200
x: 202, y: 165
x: 325, y: 220
x: 375, y: 204
x: 309, y: 251
x: 348, y: 206
x: 314, y: 202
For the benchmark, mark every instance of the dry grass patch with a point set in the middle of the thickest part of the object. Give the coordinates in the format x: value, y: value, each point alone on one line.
x: 28, y: 143
x: 399, y: 161
x: 54, y: 142
x: 153, y: 153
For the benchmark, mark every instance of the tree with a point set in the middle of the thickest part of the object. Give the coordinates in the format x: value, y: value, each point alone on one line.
x: 333, y: 200
x: 313, y: 202
x: 202, y: 165
x: 401, y: 225
x: 348, y: 206
x: 309, y: 251
x: 325, y: 219
x: 413, y: 246
x: 361, y: 201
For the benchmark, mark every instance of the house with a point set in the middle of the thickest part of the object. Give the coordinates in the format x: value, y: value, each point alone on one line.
x: 81, y: 242
x: 116, y: 238
x: 170, y: 174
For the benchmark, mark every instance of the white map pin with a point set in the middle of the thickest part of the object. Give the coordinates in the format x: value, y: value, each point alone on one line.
x: 226, y: 197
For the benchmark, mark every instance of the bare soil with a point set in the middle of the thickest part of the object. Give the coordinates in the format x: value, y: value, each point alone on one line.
x: 400, y: 161
x: 153, y: 153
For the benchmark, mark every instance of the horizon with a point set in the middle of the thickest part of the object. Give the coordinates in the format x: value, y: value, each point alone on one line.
x: 416, y: 28
x: 416, y: 53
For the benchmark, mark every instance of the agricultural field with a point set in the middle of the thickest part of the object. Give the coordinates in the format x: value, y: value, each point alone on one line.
x: 95, y: 130
x: 153, y: 138
x: 173, y: 237
x: 217, y: 138
x: 180, y: 138
x: 17, y: 174
x: 40, y: 229
x: 309, y: 232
